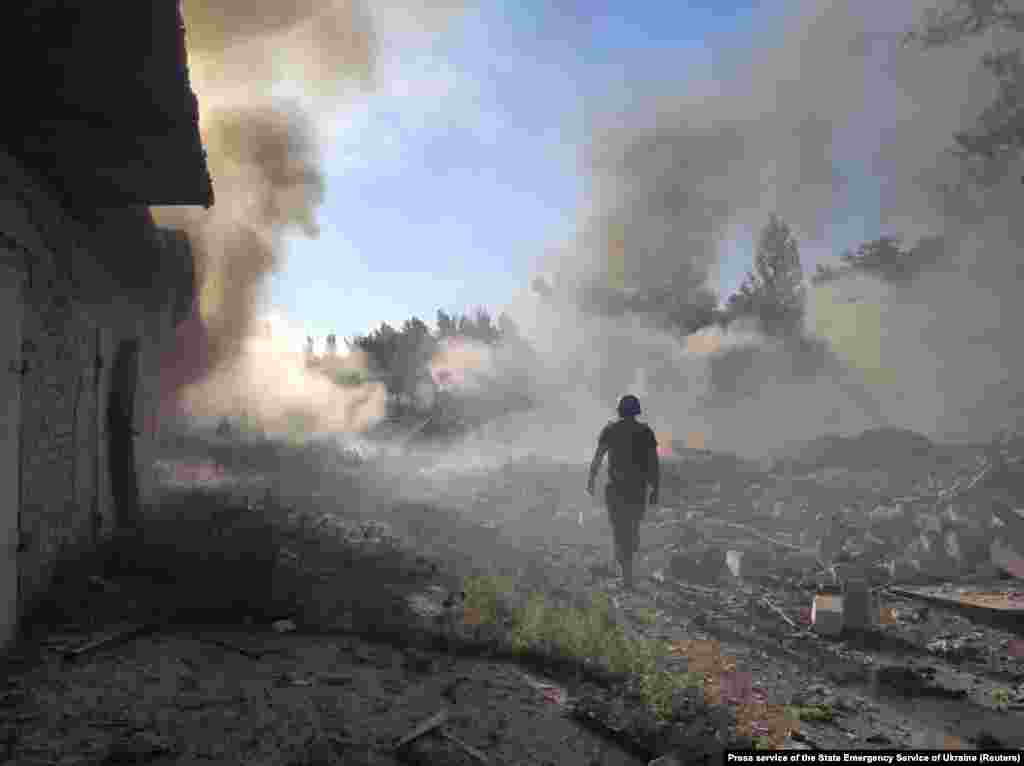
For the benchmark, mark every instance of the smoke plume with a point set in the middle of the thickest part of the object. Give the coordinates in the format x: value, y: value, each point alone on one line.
x: 828, y: 87
x: 263, y: 151
x: 264, y: 157
x: 268, y: 384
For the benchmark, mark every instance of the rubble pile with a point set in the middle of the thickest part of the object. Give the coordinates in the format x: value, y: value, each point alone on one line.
x: 343, y: 529
x: 959, y: 521
x: 960, y: 529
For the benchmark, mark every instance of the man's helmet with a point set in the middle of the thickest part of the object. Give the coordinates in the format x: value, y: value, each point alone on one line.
x: 629, y: 406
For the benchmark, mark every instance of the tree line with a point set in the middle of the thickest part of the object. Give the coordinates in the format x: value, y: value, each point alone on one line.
x: 400, y: 357
x: 772, y: 295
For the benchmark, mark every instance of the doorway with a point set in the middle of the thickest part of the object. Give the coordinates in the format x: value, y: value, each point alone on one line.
x: 124, y: 481
x: 11, y: 372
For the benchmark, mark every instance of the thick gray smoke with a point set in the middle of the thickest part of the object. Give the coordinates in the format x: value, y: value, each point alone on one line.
x: 829, y: 86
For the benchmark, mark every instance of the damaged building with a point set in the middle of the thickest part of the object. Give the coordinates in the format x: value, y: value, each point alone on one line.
x: 100, y: 124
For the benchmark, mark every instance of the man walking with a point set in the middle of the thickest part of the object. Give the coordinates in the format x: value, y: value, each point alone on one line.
x: 632, y: 465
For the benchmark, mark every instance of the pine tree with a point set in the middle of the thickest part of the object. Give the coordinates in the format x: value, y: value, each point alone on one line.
x: 445, y: 325
x: 774, y: 291
x: 999, y: 134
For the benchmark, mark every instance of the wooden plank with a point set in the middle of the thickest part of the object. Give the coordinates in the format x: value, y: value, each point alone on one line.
x: 113, y: 639
x: 1011, y: 619
x: 433, y: 722
x: 1001, y: 601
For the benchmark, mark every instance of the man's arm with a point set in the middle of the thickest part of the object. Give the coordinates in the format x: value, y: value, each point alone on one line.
x: 595, y: 465
x: 654, y: 472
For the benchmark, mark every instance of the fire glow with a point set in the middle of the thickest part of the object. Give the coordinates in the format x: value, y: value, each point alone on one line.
x: 455, y: 360
x: 664, y: 444
x: 703, y: 343
x: 695, y: 440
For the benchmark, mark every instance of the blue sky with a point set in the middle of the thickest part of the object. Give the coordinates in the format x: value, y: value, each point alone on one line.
x: 446, y: 184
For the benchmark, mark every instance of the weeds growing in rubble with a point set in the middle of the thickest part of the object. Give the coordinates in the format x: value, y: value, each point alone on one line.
x: 659, y: 688
x: 1000, y: 698
x: 822, y: 713
x: 647, y: 616
x: 586, y: 633
x: 484, y: 594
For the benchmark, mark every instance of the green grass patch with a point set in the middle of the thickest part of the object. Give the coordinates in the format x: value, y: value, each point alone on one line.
x: 820, y: 713
x: 587, y: 633
x: 1000, y: 698
x: 647, y: 616
x: 484, y: 595
x: 660, y: 689
x: 584, y: 633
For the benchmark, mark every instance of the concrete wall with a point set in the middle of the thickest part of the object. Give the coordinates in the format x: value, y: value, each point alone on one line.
x: 75, y: 311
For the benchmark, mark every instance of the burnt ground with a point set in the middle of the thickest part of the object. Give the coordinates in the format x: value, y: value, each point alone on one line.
x: 357, y: 669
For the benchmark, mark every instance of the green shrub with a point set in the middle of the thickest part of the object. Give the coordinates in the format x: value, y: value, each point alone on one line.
x: 1000, y: 698
x: 647, y: 616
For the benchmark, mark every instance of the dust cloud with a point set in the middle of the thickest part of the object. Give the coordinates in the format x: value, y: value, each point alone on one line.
x: 264, y: 152
x: 269, y: 384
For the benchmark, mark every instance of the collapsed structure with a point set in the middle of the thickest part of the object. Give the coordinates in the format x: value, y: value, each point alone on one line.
x: 101, y: 123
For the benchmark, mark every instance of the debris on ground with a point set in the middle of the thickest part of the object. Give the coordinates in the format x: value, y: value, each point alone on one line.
x: 372, y: 620
x: 435, y: 721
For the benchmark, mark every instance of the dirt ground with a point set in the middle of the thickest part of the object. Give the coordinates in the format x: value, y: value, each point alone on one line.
x: 184, y: 697
x: 245, y: 693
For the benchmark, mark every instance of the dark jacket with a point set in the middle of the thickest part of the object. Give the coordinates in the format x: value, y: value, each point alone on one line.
x: 632, y: 452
